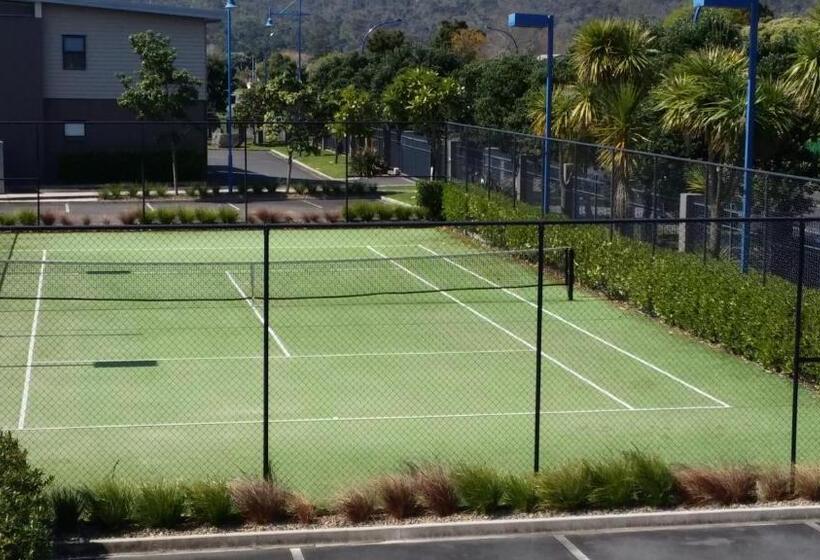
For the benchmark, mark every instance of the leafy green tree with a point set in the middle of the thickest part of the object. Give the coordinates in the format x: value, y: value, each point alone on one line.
x: 250, y: 107
x: 680, y: 34
x: 293, y: 111
x: 385, y: 40
x: 704, y: 97
x: 445, y: 32
x: 159, y: 91
x: 217, y: 84
x: 610, y: 51
x: 354, y: 116
x: 420, y: 97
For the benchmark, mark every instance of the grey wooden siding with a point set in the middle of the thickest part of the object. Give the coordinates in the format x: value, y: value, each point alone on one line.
x: 108, y: 51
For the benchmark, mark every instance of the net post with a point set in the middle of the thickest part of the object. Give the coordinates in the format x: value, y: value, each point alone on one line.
x: 266, y: 474
x: 539, y: 323
x: 570, y: 273
x: 798, y: 339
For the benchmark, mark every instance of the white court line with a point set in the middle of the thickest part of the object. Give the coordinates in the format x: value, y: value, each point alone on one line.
x: 292, y: 357
x: 296, y: 553
x: 259, y: 315
x: 586, y: 332
x: 571, y: 548
x: 214, y: 248
x: 328, y: 419
x: 312, y: 204
x: 32, y: 340
x: 505, y: 331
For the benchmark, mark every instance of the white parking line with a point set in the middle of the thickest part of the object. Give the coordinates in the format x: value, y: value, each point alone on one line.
x: 296, y: 553
x: 506, y: 331
x: 586, y: 332
x: 21, y: 423
x: 234, y: 206
x: 148, y: 205
x: 309, y: 203
x: 571, y: 548
x: 259, y: 315
x: 67, y: 208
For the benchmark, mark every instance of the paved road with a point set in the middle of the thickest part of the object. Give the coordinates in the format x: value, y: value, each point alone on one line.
x: 787, y: 541
x: 260, y: 164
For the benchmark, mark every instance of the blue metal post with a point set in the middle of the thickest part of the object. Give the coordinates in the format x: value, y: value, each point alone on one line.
x: 545, y: 202
x: 749, y: 156
x: 229, y: 6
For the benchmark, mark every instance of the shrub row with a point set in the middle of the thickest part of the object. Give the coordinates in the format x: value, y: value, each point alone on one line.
x: 132, y: 190
x: 182, y: 215
x: 376, y: 211
x: 313, y: 188
x: 631, y: 480
x: 273, y: 216
x: 713, y: 301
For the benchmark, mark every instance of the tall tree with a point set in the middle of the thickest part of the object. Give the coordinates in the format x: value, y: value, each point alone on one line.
x: 355, y: 115
x: 704, y: 96
x: 159, y: 91
x: 294, y: 110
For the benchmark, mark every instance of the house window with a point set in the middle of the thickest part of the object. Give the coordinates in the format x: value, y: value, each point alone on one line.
x: 73, y: 52
x: 74, y: 130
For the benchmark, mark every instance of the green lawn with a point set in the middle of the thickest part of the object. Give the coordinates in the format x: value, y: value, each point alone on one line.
x: 324, y: 162
x: 99, y: 377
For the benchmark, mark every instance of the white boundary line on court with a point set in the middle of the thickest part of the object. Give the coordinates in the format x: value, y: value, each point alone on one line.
x: 214, y: 248
x: 504, y: 330
x: 21, y: 423
x: 586, y: 332
x: 319, y: 420
x: 259, y: 315
x: 292, y: 357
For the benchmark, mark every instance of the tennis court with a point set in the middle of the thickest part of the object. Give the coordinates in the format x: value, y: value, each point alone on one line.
x: 141, y: 352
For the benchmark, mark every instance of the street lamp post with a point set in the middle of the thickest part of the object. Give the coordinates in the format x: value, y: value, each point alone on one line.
x: 268, y: 25
x: 386, y: 23
x: 229, y: 7
x: 507, y: 34
x: 298, y: 15
x: 541, y: 21
x: 753, y: 7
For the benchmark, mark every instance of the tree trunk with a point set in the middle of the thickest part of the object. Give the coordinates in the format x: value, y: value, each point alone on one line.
x: 290, y: 170
x: 713, y: 187
x: 174, y: 167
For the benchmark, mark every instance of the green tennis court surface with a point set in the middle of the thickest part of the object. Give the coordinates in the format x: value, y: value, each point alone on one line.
x: 141, y: 352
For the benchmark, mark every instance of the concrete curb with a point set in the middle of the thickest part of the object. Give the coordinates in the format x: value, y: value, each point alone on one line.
x: 281, y: 155
x: 397, y: 202
x: 485, y: 528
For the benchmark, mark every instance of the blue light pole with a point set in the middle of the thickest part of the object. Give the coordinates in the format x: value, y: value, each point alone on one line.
x: 229, y: 6
x: 753, y: 7
x: 298, y: 15
x: 268, y: 25
x: 540, y: 21
x: 385, y: 23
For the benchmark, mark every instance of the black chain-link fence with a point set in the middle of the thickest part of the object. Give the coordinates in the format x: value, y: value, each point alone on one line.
x: 328, y: 353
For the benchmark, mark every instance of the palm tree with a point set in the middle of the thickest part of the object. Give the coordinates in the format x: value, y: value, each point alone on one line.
x: 803, y: 78
x: 612, y: 60
x: 704, y: 96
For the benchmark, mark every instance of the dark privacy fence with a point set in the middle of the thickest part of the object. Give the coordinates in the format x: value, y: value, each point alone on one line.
x: 324, y: 354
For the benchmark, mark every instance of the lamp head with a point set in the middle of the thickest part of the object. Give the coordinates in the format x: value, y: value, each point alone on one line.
x: 230, y: 4
x: 269, y: 22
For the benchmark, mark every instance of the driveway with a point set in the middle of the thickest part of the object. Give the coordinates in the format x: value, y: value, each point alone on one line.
x: 792, y: 541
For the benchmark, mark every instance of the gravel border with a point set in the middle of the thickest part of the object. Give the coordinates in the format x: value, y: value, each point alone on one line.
x: 471, y: 528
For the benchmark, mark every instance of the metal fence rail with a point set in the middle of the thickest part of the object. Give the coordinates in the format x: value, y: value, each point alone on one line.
x: 331, y: 352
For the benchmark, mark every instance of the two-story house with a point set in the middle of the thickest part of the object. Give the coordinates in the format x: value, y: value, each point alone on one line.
x: 59, y: 61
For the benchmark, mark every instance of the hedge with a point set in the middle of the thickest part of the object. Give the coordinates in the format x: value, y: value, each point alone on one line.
x: 713, y: 301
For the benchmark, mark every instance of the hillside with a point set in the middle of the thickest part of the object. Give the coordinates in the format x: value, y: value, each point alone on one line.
x: 339, y: 24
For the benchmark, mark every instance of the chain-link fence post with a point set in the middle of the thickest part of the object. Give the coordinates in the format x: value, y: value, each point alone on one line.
x: 143, y: 192
x: 39, y: 169
x: 347, y: 170
x: 798, y: 335
x: 245, y: 164
x: 266, y: 467
x: 539, y: 322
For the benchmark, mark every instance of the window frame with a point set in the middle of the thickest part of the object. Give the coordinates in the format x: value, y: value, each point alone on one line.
x: 70, y: 55
x: 74, y: 137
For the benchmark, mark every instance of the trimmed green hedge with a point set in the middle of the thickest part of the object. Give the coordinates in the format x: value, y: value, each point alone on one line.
x: 713, y: 301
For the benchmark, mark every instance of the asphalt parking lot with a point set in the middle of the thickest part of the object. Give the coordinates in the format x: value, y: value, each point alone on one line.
x: 786, y: 541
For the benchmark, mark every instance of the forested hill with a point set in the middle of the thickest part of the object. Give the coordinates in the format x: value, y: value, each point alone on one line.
x: 339, y: 24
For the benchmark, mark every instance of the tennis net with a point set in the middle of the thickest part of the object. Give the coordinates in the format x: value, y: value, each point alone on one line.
x: 291, y: 280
